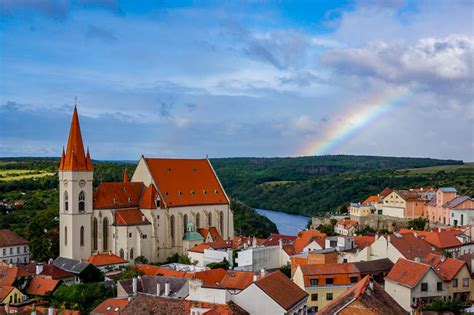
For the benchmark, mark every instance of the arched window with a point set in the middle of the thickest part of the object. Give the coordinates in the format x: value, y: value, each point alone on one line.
x: 209, y: 220
x: 82, y: 203
x: 221, y: 223
x: 66, y: 201
x: 65, y: 235
x: 81, y: 236
x: 172, y: 229
x: 198, y: 221
x: 185, y: 222
x: 94, y: 234
x: 121, y: 253
x: 105, y: 234
x: 131, y: 253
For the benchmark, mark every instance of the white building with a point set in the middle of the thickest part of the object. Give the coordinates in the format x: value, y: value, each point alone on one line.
x: 13, y: 248
x: 147, y: 216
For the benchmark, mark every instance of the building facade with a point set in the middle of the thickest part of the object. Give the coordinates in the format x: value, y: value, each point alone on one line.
x: 13, y: 248
x: 146, y: 216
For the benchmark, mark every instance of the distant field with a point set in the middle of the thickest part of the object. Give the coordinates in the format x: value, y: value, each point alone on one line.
x: 9, y: 175
x: 446, y: 168
x: 278, y: 182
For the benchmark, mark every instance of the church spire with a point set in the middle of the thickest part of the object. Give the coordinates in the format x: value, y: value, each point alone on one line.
x: 75, y: 158
x: 125, y: 176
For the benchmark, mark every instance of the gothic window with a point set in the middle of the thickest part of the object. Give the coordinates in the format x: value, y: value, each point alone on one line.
x: 65, y: 235
x: 81, y: 236
x: 172, y: 229
x: 122, y: 253
x: 221, y: 223
x: 131, y: 253
x: 198, y: 221
x: 94, y: 234
x: 105, y: 234
x: 82, y: 203
x: 66, y: 201
x: 185, y: 222
x: 209, y: 219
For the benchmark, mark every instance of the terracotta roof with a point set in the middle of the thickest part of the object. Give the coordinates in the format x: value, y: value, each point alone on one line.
x: 407, y: 273
x: 457, y: 201
x: 148, y: 304
x: 130, y: 217
x: 364, y: 241
x: 148, y: 285
x: 49, y: 270
x: 440, y: 239
x: 370, y: 298
x: 41, y: 286
x: 446, y: 268
x: 387, y: 191
x: 237, y: 280
x: 374, y: 266
x: 4, y: 291
x: 9, y: 275
x: 281, y: 289
x: 347, y: 223
x: 306, y: 237
x: 371, y: 199
x: 105, y: 259
x: 40, y: 310
x: 110, y: 306
x: 412, y: 247
x: 117, y: 195
x: 185, y: 182
x: 151, y: 270
x: 148, y: 200
x: 125, y: 176
x: 199, y: 248
x: 274, y: 239
x: 328, y: 269
x: 75, y: 158
x: 213, y: 231
x: 9, y: 238
x: 210, y: 278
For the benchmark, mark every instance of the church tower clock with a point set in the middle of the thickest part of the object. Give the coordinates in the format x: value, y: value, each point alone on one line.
x: 75, y: 196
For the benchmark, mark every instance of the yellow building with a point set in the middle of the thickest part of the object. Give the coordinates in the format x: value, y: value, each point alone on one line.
x: 361, y: 210
x: 326, y: 282
x: 10, y: 295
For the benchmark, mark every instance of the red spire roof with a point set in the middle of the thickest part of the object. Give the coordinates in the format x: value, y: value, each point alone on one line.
x: 125, y: 176
x: 75, y: 158
x: 148, y: 200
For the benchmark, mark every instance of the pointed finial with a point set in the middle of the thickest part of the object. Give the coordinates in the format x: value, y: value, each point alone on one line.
x: 75, y: 101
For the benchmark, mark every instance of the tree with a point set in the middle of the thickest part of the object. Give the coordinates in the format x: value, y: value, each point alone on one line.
x: 286, y: 270
x: 417, y: 224
x: 129, y: 273
x: 439, y: 305
x: 83, y: 297
x: 43, y: 235
x: 141, y: 260
x: 216, y: 265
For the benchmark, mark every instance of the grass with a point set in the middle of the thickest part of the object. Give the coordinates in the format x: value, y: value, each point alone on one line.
x: 9, y: 175
x: 278, y: 182
x: 446, y: 168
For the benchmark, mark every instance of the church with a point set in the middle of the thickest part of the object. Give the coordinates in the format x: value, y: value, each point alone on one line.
x: 165, y: 207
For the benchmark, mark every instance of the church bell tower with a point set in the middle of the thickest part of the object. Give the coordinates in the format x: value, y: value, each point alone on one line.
x: 75, y: 196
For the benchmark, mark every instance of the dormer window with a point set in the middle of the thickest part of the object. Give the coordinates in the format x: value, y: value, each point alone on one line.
x: 169, y: 170
x: 204, y: 192
x: 180, y: 192
x: 166, y: 193
x: 216, y: 191
x: 192, y: 192
x: 115, y: 201
x: 129, y: 199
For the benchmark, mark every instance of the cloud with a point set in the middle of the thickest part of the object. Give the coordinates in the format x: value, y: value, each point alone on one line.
x: 97, y: 32
x: 302, y: 79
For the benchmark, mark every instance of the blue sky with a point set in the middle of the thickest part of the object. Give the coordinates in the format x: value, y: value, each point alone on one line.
x: 248, y: 78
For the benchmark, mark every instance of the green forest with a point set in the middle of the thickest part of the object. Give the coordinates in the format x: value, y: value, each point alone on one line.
x: 305, y: 185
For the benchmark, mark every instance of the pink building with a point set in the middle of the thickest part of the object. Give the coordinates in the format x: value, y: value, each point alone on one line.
x: 438, y: 212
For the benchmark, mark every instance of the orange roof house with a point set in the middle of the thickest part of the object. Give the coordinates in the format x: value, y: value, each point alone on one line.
x: 106, y: 259
x: 9, y: 238
x: 446, y: 268
x: 443, y: 239
x: 371, y: 200
x: 130, y: 217
x: 111, y: 306
x: 8, y: 274
x: 149, y: 198
x: 118, y: 195
x: 304, y: 239
x: 41, y: 286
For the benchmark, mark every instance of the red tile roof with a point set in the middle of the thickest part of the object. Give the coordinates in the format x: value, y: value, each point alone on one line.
x: 199, y: 248
x: 363, y: 241
x: 281, y: 289
x: 41, y: 286
x: 213, y: 231
x: 441, y: 239
x: 148, y: 200
x: 185, y: 182
x: 130, y: 217
x: 75, y: 158
x: 306, y: 237
x: 347, y: 223
x: 237, y: 280
x: 446, y: 268
x: 9, y: 275
x: 49, y: 270
x: 4, y: 291
x: 9, y: 238
x: 110, y: 306
x: 40, y: 310
x: 371, y: 199
x: 387, y: 191
x: 125, y: 176
x: 210, y: 278
x: 117, y: 195
x: 407, y: 273
x: 274, y: 239
x: 151, y: 270
x: 106, y: 259
x: 341, y: 273
x: 412, y: 247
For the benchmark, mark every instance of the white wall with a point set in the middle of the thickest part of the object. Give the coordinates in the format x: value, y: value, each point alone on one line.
x: 199, y: 257
x: 210, y: 295
x: 259, y: 258
x: 393, y: 211
x: 15, y: 254
x: 212, y: 256
x: 255, y: 301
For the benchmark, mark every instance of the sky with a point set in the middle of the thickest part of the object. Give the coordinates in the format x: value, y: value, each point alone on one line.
x: 238, y: 78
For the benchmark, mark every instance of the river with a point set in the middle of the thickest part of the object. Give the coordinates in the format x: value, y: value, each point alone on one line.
x: 289, y: 224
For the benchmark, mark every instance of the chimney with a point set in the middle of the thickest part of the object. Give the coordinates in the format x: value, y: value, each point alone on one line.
x: 255, y: 277
x: 158, y: 289
x: 262, y: 273
x: 417, y: 259
x: 10, y: 266
x: 50, y: 311
x: 167, y: 289
x: 39, y: 268
x: 280, y: 243
x: 443, y: 258
x: 50, y: 261
x: 134, y: 285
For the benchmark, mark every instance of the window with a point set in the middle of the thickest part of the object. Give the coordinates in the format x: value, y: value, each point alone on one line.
x: 439, y: 286
x: 121, y: 252
x: 105, y: 236
x: 185, y: 222
x: 18, y: 250
x: 424, y: 287
x: 314, y: 297
x: 11, y: 250
x: 65, y: 235
x: 221, y: 223
x: 82, y: 236
x: 314, y: 281
x: 209, y: 219
x: 455, y: 283
x: 354, y: 279
x: 465, y: 282
x: 4, y: 252
x: 329, y: 296
x: 131, y: 253
x: 130, y: 235
x: 82, y: 203
x: 172, y: 229
x: 25, y: 249
x: 329, y: 280
x: 66, y: 201
x: 198, y: 221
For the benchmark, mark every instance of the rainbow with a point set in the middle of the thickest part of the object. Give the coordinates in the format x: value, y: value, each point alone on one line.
x: 347, y: 123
